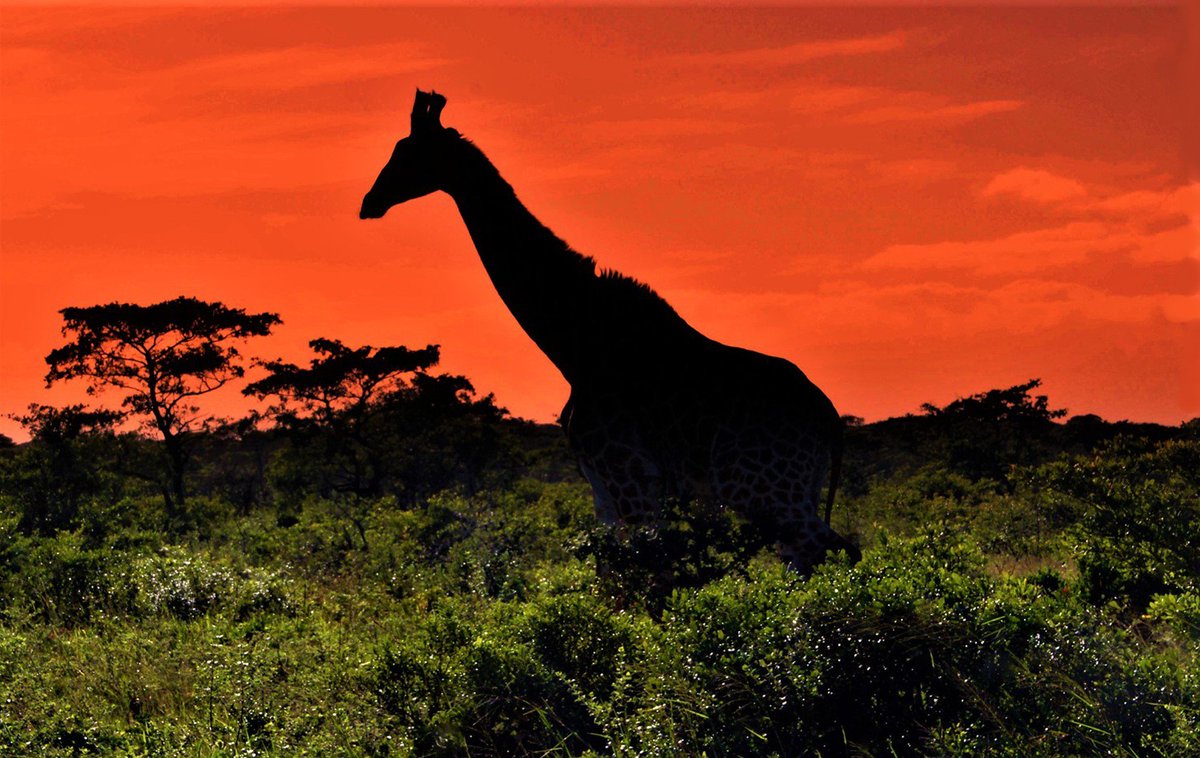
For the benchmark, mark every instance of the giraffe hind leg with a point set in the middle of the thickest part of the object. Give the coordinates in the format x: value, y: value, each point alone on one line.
x: 775, y: 476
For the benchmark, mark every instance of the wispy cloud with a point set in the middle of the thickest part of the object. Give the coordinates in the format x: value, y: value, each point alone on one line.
x: 222, y: 122
x: 950, y: 113
x: 1035, y: 185
x: 879, y: 105
x: 797, y: 53
x: 1142, y: 226
x: 1020, y: 253
x: 1042, y: 251
x: 1042, y: 187
x: 294, y: 67
x: 639, y: 130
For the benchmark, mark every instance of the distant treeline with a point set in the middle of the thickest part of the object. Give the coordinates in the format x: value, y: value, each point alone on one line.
x: 418, y: 434
x: 369, y: 422
x: 983, y: 437
x: 356, y: 422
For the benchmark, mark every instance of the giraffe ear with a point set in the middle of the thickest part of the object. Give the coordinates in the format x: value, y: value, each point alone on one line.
x: 420, y: 110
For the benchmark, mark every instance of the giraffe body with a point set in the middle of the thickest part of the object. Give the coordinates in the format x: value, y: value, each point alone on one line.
x: 726, y: 426
x: 657, y: 410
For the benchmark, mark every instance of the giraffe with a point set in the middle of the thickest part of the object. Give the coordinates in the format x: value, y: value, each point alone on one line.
x: 656, y: 409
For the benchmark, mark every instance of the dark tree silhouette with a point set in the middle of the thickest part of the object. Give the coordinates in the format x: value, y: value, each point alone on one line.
x: 70, y: 458
x: 162, y: 357
x: 341, y: 385
x: 1014, y: 404
x: 985, y: 434
x: 328, y: 405
x: 364, y: 421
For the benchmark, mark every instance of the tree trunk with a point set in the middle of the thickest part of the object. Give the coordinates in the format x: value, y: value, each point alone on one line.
x: 174, y: 493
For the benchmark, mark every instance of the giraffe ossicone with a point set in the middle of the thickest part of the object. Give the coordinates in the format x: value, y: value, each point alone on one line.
x: 657, y: 410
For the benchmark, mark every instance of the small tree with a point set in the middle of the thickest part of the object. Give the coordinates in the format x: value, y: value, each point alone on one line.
x: 1132, y: 507
x: 984, y: 435
x: 1014, y: 404
x: 368, y: 420
x: 70, y: 459
x: 330, y: 402
x: 162, y: 357
x: 341, y: 385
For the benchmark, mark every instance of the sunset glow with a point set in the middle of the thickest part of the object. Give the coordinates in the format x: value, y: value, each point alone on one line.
x: 911, y: 205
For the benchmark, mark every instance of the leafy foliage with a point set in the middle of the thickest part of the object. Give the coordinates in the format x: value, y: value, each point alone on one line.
x: 341, y: 385
x: 984, y: 435
x: 69, y: 464
x: 160, y: 355
x: 980, y: 436
x: 1136, y: 509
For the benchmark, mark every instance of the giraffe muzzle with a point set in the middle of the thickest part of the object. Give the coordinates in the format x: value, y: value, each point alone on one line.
x: 371, y: 208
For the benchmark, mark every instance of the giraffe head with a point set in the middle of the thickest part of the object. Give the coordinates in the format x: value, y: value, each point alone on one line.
x: 419, y: 161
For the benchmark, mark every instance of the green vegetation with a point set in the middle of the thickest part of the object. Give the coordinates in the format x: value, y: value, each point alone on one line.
x: 1028, y: 587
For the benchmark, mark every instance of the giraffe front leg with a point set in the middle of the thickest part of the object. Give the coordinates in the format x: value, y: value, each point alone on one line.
x: 626, y: 519
x: 605, y: 504
x: 805, y: 545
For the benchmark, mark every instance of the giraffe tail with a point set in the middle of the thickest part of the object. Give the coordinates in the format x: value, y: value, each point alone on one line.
x: 835, y: 472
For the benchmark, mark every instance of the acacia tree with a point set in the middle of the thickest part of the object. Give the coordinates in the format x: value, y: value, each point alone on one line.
x: 365, y: 421
x: 985, y: 434
x: 69, y: 460
x: 334, y: 398
x: 162, y: 357
x: 342, y: 384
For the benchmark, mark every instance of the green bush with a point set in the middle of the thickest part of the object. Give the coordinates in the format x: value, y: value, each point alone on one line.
x: 914, y: 650
x: 187, y: 585
x: 60, y: 580
x: 1137, y: 507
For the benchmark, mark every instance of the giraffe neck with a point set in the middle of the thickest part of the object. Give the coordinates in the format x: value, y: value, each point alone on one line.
x: 592, y: 326
x: 546, y: 285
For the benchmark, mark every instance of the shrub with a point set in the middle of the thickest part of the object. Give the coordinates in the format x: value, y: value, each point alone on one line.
x: 62, y: 581
x: 1138, y: 511
x: 915, y: 649
x: 187, y: 585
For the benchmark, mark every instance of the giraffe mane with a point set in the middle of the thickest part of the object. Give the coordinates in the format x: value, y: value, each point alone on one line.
x: 632, y: 294
x: 626, y: 296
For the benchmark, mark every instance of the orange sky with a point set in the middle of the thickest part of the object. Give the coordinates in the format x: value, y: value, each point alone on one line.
x: 911, y: 205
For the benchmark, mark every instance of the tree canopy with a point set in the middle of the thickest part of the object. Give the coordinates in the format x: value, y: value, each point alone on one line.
x: 1013, y: 404
x: 985, y: 434
x: 367, y: 420
x: 340, y: 381
x: 161, y: 355
x: 68, y: 461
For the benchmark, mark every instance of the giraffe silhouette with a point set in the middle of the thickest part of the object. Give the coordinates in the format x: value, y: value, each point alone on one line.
x: 657, y: 410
